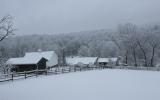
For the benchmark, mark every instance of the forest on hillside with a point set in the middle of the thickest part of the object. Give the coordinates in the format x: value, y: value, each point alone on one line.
x: 91, y: 43
x: 136, y: 45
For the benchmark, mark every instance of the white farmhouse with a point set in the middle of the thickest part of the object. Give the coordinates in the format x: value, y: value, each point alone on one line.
x: 51, y: 56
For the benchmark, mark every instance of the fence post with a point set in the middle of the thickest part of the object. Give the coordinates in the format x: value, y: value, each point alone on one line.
x: 74, y: 69
x: 25, y: 75
x: 36, y: 71
x: 56, y: 71
x: 12, y: 76
x: 69, y: 69
x: 80, y: 69
x: 62, y: 70
x: 46, y: 71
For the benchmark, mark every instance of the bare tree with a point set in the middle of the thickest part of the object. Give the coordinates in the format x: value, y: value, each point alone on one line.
x: 133, y: 50
x: 143, y: 45
x: 154, y: 42
x: 126, y: 40
x: 6, y: 27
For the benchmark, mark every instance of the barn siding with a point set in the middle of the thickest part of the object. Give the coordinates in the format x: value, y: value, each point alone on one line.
x: 42, y: 64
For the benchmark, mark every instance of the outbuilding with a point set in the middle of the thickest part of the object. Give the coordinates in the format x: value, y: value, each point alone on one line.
x: 81, y: 61
x: 107, y: 62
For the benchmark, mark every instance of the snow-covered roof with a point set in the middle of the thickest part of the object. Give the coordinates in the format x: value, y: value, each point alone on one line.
x: 84, y: 60
x: 45, y: 54
x: 24, y: 60
x: 107, y: 59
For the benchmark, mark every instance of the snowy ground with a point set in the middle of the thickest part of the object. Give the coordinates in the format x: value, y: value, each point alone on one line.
x: 109, y: 84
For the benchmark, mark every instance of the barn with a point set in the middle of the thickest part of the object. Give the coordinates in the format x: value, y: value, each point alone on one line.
x: 106, y: 62
x: 51, y: 56
x: 27, y: 63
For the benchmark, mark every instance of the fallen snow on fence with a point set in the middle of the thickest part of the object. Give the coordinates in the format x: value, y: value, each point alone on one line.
x: 91, y: 85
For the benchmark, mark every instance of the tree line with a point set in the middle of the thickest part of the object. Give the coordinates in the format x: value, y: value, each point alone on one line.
x: 137, y: 45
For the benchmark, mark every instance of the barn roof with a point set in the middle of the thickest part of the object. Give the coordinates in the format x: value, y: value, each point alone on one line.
x: 107, y: 59
x: 24, y: 60
x: 45, y: 54
x: 84, y: 60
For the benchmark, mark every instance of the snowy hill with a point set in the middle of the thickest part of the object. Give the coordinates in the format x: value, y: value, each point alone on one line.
x: 90, y: 85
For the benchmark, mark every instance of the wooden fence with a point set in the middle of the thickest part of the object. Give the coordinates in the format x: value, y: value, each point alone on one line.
x: 36, y: 73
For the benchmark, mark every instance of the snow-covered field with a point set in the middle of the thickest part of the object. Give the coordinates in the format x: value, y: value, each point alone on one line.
x: 106, y: 84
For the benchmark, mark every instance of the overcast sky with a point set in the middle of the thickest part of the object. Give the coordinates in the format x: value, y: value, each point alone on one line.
x: 63, y: 16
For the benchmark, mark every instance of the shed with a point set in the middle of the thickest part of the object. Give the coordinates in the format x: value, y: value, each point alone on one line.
x: 107, y: 61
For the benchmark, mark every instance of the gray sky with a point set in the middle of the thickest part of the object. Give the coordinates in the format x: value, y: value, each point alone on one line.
x: 63, y: 16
